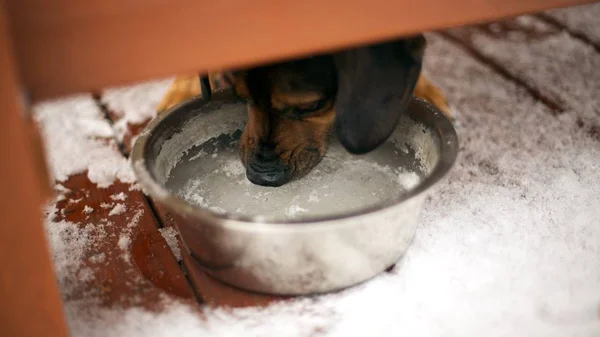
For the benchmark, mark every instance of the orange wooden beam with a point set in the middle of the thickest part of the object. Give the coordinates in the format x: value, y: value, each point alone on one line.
x: 31, y: 303
x: 67, y: 46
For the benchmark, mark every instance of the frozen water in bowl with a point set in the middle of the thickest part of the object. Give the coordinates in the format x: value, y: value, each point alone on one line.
x: 212, y: 176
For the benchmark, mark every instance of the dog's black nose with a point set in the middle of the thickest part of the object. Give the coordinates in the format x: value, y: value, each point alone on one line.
x: 266, y: 169
x: 272, y: 178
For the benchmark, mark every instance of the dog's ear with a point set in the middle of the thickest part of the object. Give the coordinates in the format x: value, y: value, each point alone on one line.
x: 238, y: 81
x: 375, y: 85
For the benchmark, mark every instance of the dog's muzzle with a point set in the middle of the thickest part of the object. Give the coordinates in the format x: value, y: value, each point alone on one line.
x: 265, y: 168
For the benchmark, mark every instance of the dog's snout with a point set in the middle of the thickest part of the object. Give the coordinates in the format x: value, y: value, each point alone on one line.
x: 267, y: 174
x: 266, y: 168
x: 266, y: 153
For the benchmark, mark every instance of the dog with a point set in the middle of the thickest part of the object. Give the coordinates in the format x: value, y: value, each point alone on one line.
x: 294, y: 105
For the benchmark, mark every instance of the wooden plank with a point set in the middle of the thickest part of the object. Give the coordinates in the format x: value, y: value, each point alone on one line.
x: 463, y: 39
x: 581, y: 22
x: 130, y: 108
x: 31, y: 304
x: 127, y: 261
x: 545, y: 58
x: 107, y: 249
x: 513, y: 155
x: 67, y: 46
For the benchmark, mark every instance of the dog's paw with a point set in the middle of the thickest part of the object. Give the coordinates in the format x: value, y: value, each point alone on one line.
x: 183, y: 88
x: 434, y: 95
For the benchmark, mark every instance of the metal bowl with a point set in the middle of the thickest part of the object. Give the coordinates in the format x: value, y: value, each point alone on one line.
x: 292, y: 256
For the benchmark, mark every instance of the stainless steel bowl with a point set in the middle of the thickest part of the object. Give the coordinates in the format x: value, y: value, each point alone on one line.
x: 300, y: 255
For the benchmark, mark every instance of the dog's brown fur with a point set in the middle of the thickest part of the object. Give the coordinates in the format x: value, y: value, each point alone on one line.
x: 276, y: 94
x: 186, y: 87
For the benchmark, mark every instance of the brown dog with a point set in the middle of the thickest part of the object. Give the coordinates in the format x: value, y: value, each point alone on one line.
x: 295, y: 105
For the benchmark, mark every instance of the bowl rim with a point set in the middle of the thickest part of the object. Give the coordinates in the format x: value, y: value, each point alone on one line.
x: 428, y: 114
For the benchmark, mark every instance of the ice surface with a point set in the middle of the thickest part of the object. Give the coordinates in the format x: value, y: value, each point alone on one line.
x: 339, y: 183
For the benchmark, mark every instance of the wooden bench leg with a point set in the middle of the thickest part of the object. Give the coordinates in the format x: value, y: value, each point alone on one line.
x: 31, y: 304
